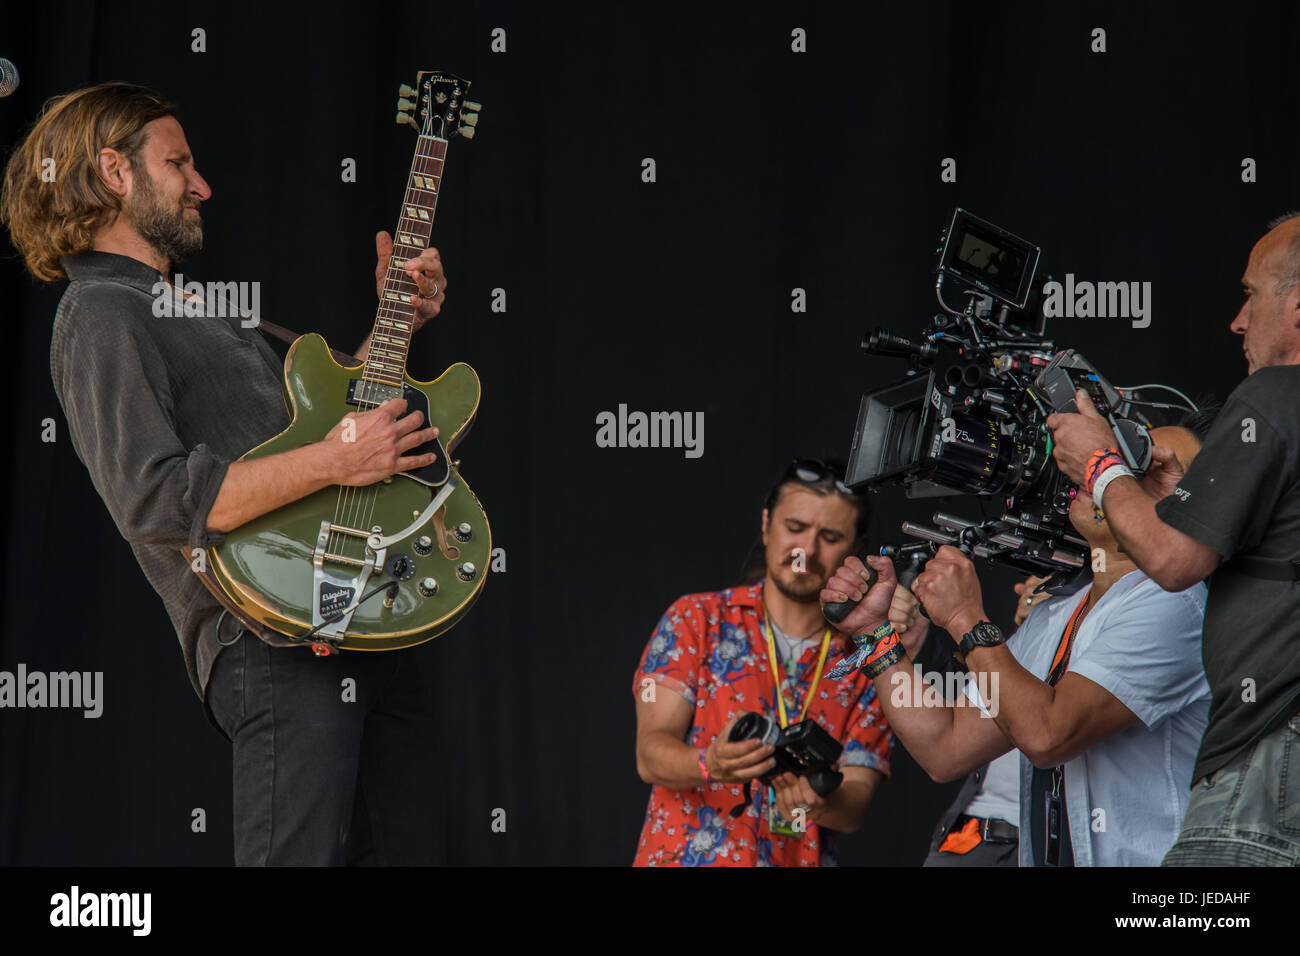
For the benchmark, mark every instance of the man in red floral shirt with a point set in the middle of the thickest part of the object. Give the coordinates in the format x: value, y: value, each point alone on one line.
x: 716, y: 656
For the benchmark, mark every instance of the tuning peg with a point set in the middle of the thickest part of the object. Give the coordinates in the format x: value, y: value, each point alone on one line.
x: 467, y: 132
x: 405, y: 90
x: 469, y: 119
x: 472, y: 106
x: 405, y: 104
x: 405, y: 118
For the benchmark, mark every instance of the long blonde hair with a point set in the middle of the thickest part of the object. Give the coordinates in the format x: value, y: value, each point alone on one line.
x: 54, y: 199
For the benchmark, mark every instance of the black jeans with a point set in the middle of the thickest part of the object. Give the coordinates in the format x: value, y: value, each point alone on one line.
x: 332, y: 755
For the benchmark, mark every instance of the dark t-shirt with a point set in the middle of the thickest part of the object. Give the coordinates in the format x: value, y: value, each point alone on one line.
x: 1241, y: 496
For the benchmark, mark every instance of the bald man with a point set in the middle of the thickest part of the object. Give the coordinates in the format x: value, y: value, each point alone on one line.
x: 1232, y: 518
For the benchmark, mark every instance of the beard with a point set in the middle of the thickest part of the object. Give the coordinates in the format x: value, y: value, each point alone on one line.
x: 164, y: 227
x: 801, y: 587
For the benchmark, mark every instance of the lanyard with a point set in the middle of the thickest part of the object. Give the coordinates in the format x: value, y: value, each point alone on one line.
x: 776, y: 671
x: 1056, y: 828
x: 1062, y: 659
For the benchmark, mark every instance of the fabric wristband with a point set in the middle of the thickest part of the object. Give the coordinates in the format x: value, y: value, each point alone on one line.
x: 877, y: 652
x: 1100, y: 468
x: 704, y: 766
x: 1104, y: 479
x: 1096, y: 457
x: 1098, y: 463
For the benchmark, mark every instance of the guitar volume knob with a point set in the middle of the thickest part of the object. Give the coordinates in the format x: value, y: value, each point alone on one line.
x: 401, y: 567
x: 423, y: 544
x: 466, y: 571
x: 428, y: 587
x: 463, y: 531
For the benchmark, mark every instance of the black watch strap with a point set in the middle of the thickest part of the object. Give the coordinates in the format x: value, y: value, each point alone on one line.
x: 983, y: 634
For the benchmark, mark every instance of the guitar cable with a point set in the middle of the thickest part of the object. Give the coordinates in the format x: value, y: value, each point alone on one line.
x: 391, y: 587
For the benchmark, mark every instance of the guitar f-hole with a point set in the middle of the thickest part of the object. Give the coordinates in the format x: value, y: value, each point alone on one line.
x: 449, y: 551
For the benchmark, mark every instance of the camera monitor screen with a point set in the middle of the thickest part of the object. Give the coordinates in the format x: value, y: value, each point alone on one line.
x: 990, y: 258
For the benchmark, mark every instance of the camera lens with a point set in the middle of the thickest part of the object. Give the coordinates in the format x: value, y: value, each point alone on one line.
x: 754, y: 726
x: 901, y: 440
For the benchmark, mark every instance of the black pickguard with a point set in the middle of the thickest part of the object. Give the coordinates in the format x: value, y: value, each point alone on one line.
x: 433, y: 474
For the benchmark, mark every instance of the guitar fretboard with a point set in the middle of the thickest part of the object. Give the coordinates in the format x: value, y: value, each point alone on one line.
x: 391, y: 339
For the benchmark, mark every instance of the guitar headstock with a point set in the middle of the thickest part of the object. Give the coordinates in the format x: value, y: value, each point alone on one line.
x: 442, y: 108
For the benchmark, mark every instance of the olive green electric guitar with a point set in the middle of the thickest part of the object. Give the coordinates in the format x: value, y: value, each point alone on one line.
x: 398, y: 562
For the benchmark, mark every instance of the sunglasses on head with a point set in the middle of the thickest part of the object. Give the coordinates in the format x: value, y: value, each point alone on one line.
x: 812, y: 470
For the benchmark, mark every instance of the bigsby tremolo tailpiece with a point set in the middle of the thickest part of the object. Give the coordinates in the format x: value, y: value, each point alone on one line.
x: 336, y: 593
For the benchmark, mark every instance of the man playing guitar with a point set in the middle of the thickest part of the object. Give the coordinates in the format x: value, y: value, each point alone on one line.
x: 159, y: 409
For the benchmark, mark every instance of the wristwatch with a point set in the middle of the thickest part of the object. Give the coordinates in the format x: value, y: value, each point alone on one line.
x: 983, y: 634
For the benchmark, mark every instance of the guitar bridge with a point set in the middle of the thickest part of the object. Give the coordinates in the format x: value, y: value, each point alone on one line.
x: 336, y: 594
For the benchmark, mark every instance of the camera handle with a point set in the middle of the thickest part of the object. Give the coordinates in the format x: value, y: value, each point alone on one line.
x: 837, y: 611
x: 917, y: 555
x: 825, y: 782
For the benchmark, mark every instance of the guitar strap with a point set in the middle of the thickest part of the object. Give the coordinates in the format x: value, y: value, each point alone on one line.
x: 280, y: 332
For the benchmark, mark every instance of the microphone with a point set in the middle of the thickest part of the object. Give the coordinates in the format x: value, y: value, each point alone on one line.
x: 8, y: 77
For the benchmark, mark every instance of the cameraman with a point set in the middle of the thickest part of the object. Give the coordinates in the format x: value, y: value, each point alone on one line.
x: 1101, y: 693
x: 1234, y: 518
x: 716, y: 656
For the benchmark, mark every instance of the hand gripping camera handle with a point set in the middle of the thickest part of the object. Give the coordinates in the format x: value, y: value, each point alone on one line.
x: 838, y: 611
x: 909, y: 574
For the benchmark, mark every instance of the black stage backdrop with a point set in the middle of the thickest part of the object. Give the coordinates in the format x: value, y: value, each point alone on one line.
x: 775, y: 170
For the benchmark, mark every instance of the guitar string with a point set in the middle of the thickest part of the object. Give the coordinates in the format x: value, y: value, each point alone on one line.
x: 373, y: 385
x: 364, y: 500
x: 366, y: 395
x: 420, y: 164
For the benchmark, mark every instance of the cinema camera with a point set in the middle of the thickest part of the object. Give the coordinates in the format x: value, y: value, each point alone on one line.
x: 970, y: 416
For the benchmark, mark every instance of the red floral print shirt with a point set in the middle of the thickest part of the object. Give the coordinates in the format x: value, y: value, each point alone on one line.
x: 712, y: 650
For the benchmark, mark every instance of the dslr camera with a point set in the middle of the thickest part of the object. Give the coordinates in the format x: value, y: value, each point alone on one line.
x: 803, y: 749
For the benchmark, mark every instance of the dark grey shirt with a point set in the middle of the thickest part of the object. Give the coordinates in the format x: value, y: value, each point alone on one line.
x: 157, y: 409
x: 1241, y: 496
